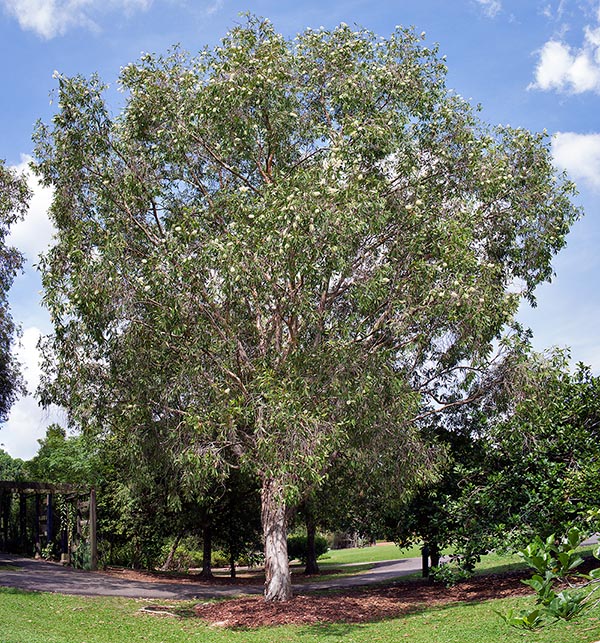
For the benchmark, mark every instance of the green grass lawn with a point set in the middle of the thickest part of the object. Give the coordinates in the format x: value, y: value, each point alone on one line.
x: 490, y: 563
x: 52, y: 618
x: 367, y: 555
x: 324, y: 575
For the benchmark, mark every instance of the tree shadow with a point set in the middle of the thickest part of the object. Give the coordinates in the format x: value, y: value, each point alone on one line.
x: 339, y: 630
x: 19, y: 592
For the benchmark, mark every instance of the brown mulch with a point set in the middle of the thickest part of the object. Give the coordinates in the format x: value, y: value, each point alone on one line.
x: 348, y: 606
x: 359, y: 605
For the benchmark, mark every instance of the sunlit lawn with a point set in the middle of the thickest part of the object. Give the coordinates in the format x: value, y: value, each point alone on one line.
x: 376, y: 553
x: 490, y: 563
x: 52, y: 618
x: 27, y: 617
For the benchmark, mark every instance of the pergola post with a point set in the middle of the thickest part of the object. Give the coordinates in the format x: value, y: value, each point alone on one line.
x: 43, y: 531
x: 22, y: 522
x: 93, y: 533
x: 36, y: 527
x: 49, y: 519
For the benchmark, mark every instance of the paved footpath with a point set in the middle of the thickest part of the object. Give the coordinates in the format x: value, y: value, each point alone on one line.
x: 37, y: 575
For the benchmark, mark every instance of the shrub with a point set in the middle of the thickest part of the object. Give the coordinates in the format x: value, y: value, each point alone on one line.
x: 298, y: 547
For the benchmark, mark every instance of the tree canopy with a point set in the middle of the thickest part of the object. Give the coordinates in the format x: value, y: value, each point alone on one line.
x: 280, y: 248
x: 523, y: 464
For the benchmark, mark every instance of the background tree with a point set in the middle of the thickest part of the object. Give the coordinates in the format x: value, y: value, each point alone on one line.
x: 61, y: 458
x: 284, y: 246
x: 523, y: 463
x: 10, y: 468
x: 14, y: 196
x: 237, y: 519
x: 542, y: 451
x: 435, y: 516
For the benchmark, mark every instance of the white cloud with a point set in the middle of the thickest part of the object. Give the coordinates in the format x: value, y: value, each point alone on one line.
x: 548, y: 10
x: 491, y: 8
x: 51, y: 18
x: 27, y: 422
x: 33, y: 235
x: 579, y: 155
x: 214, y: 7
x: 28, y: 355
x: 570, y: 69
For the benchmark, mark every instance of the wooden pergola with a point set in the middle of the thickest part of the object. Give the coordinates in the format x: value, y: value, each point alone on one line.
x: 84, y: 499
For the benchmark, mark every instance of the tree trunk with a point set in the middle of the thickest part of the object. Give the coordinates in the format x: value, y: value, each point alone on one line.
x: 206, y: 552
x: 169, y: 561
x: 434, y: 557
x: 278, y: 582
x: 232, y: 566
x: 311, y: 530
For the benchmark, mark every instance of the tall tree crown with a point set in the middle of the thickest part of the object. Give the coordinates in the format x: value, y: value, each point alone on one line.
x: 280, y: 245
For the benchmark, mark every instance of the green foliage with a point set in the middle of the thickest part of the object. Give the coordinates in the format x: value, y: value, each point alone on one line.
x: 527, y: 620
x: 236, y: 519
x: 188, y: 554
x: 522, y: 461
x: 81, y: 557
x: 298, y: 547
x: 556, y: 557
x: 14, y: 196
x: 11, y: 468
x: 449, y: 573
x: 555, y: 560
x: 61, y: 458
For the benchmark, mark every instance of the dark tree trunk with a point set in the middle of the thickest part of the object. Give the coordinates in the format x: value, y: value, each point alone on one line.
x: 434, y: 557
x: 311, y: 530
x: 232, y: 566
x: 206, y: 552
x: 169, y: 561
x: 278, y: 582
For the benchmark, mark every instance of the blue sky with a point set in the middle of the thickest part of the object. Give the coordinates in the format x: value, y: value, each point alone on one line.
x: 530, y: 63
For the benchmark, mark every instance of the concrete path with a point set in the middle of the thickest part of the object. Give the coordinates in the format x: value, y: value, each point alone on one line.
x: 36, y: 575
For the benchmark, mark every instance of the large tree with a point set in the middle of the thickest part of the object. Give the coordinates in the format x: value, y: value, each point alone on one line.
x: 280, y: 247
x: 14, y: 196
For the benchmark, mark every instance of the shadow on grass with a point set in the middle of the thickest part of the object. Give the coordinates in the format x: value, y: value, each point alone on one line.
x: 341, y: 630
x: 17, y: 591
x: 319, y: 631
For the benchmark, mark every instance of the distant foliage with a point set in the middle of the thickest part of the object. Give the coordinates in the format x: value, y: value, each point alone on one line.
x: 14, y: 196
x: 298, y: 547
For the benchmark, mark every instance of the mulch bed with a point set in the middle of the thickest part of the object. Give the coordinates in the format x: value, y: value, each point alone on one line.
x: 348, y: 606
x: 357, y: 606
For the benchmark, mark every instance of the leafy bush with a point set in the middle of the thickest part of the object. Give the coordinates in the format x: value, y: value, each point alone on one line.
x: 81, y: 557
x: 251, y: 558
x: 555, y: 562
x: 449, y: 574
x: 219, y: 559
x: 298, y: 547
